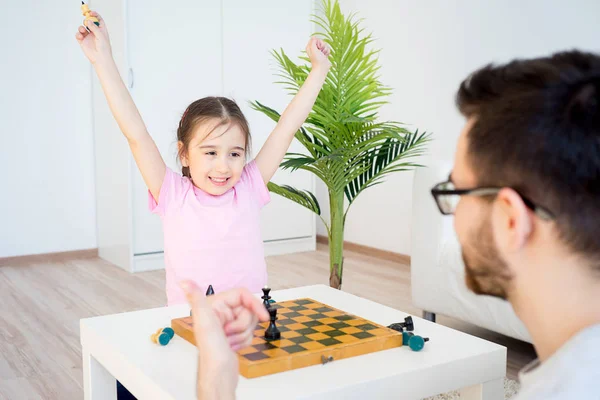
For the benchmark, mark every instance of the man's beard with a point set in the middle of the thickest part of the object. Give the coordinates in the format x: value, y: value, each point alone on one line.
x: 486, y: 272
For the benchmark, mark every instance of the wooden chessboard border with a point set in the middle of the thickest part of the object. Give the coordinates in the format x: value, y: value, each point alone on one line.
x: 280, y: 363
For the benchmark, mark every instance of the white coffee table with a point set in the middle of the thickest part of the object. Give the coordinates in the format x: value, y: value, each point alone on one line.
x: 119, y: 347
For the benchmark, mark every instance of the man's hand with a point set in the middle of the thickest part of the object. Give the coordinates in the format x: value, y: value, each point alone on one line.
x: 223, y: 323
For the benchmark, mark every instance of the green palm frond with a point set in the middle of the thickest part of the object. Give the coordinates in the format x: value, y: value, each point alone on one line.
x: 390, y: 156
x: 353, y: 83
x: 345, y: 144
x: 302, y: 197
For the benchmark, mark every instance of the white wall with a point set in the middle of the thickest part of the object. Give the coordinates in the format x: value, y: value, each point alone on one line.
x: 428, y: 48
x: 46, y: 165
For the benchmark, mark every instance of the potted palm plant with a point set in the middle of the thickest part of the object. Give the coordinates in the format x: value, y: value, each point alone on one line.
x: 346, y: 146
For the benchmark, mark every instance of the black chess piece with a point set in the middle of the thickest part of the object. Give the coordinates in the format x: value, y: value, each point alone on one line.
x: 408, y: 324
x: 272, y: 332
x: 210, y: 291
x: 325, y: 360
x: 266, y: 297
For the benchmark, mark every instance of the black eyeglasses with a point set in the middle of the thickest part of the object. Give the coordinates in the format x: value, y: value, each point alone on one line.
x: 447, y: 197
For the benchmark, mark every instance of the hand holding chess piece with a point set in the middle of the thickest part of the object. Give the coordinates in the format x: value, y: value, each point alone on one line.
x: 89, y: 16
x: 223, y: 323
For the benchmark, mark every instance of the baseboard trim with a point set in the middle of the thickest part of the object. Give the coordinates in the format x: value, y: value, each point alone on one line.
x: 289, y: 246
x: 48, y: 257
x: 148, y: 262
x: 272, y: 249
x: 370, y: 251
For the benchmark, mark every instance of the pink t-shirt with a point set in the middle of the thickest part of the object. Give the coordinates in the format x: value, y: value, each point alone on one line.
x: 212, y: 240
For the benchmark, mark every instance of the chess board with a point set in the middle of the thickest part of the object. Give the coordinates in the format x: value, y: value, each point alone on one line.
x: 311, y: 333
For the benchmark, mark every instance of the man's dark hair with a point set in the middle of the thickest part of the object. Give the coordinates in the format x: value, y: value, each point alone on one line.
x: 537, y: 130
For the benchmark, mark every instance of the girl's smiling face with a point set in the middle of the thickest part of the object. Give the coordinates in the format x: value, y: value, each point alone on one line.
x: 215, y: 156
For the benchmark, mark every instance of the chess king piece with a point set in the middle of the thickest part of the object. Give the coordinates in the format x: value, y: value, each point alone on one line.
x: 272, y: 332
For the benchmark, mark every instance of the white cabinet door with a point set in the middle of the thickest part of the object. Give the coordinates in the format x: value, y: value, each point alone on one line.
x: 251, y: 29
x: 179, y: 52
x: 174, y: 50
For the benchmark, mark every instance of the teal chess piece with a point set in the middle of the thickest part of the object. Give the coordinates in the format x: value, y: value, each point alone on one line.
x: 416, y: 342
x: 169, y: 331
x: 164, y: 339
x: 406, y: 337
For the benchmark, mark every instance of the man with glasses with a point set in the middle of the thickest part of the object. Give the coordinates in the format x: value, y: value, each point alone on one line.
x: 525, y: 195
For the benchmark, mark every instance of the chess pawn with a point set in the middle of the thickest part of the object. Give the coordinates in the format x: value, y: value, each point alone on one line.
x: 162, y: 336
x: 272, y: 332
x: 415, y: 342
x: 85, y: 10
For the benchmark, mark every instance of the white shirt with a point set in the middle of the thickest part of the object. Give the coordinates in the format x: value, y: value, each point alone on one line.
x: 573, y: 372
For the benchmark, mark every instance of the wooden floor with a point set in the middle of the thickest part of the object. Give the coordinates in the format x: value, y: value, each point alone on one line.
x: 42, y: 301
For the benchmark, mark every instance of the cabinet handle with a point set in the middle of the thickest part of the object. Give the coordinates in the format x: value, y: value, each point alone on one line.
x: 130, y: 78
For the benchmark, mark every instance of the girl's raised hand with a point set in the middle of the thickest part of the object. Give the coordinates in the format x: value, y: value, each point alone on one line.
x: 95, y: 44
x: 318, y: 53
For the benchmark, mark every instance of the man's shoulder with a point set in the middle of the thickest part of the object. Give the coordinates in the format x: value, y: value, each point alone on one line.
x: 571, y: 373
x: 586, y: 387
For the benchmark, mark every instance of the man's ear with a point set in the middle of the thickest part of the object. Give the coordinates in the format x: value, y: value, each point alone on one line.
x: 511, y: 220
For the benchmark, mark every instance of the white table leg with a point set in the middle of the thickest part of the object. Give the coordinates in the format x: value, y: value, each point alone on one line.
x: 491, y: 390
x: 98, y: 383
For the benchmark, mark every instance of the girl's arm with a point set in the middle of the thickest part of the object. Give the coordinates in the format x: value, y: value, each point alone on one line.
x: 278, y: 142
x: 96, y: 46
